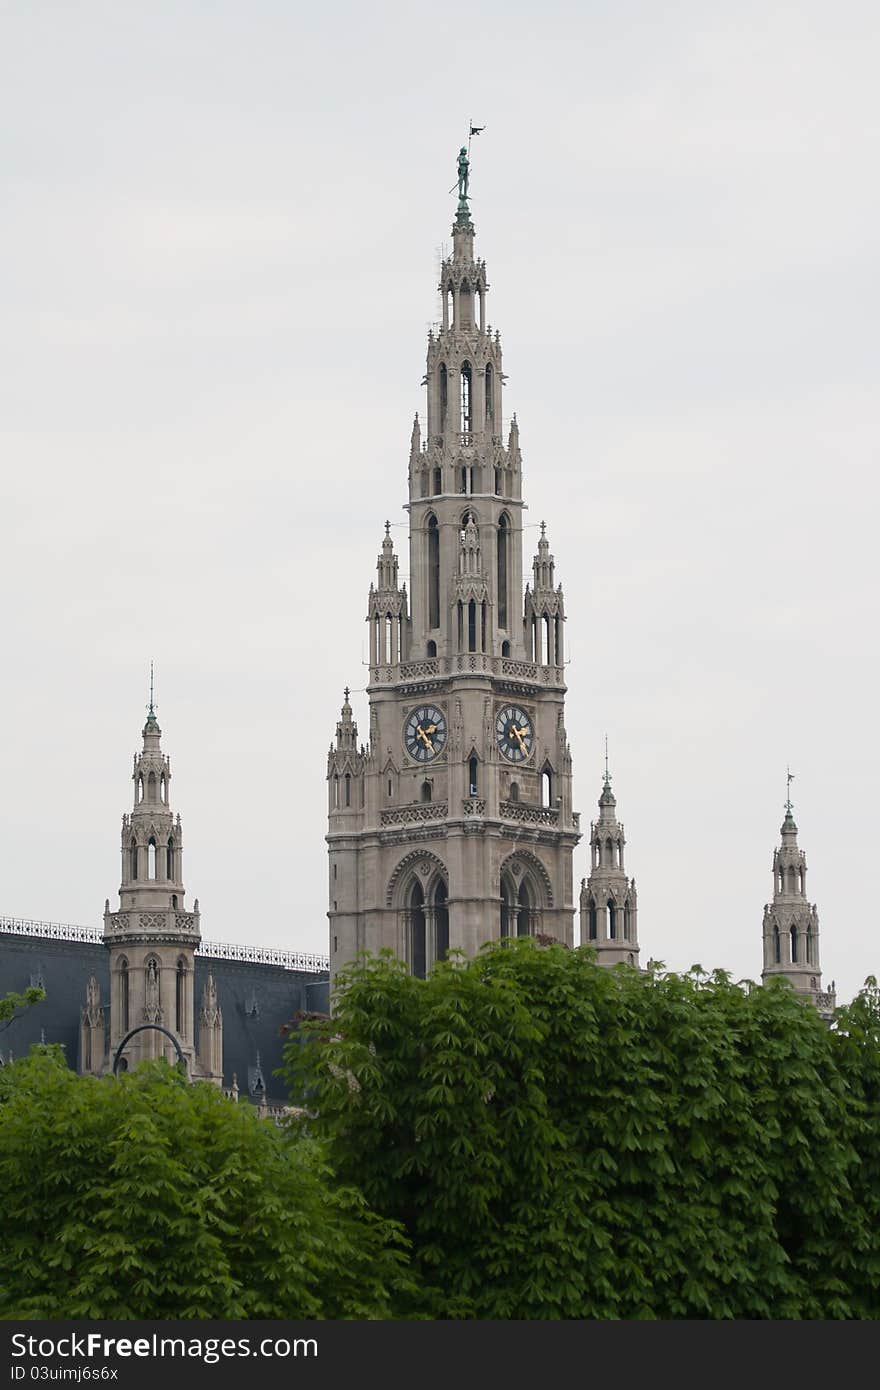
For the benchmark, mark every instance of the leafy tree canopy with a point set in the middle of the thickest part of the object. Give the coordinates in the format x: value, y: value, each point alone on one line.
x: 147, y: 1197
x: 561, y: 1140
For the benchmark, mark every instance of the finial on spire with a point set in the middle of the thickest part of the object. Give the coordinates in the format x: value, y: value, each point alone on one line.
x: 387, y: 528
x: 152, y: 709
x: 789, y: 778
x: 346, y: 693
x: 607, y: 773
x: 543, y: 530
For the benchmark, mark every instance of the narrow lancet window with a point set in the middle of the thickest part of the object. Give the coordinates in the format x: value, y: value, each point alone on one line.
x: 466, y: 417
x: 433, y: 572
x: 503, y: 544
x: 490, y: 388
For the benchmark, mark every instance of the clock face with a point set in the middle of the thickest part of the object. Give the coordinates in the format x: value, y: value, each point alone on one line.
x: 425, y: 733
x: 513, y: 730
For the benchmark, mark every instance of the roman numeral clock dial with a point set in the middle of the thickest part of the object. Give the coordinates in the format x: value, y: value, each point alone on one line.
x: 425, y: 733
x: 513, y: 730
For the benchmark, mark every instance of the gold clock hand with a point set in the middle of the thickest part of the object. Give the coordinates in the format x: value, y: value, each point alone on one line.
x: 423, y: 736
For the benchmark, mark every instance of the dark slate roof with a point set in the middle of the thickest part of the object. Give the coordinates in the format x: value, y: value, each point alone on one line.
x: 256, y: 1001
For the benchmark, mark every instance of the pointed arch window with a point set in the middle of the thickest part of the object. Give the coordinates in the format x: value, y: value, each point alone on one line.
x: 514, y: 791
x: 627, y: 921
x: 546, y: 787
x: 433, y: 572
x: 133, y: 855
x: 524, y: 911
x: 140, y: 788
x: 180, y: 998
x: 169, y: 861
x: 472, y: 625
x: 592, y: 922
x: 438, y: 481
x: 473, y: 775
x: 612, y: 920
x: 427, y: 791
x: 123, y: 996
x: 417, y: 940
x: 490, y: 388
x: 466, y: 413
x: 777, y: 946
x: 441, y: 921
x: 502, y: 565
x: 432, y: 648
x: 444, y: 395
x: 151, y: 859
x: 794, y: 944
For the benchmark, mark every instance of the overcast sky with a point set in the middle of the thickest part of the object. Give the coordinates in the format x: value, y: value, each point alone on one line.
x: 220, y: 229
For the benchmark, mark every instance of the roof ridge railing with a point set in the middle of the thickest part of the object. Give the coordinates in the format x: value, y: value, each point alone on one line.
x: 311, y: 962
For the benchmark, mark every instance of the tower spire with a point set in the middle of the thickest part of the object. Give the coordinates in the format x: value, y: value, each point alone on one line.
x: 609, y: 906
x: 791, y: 922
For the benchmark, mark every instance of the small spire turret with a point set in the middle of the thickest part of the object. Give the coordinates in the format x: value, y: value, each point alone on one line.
x: 609, y: 906
x: 791, y: 922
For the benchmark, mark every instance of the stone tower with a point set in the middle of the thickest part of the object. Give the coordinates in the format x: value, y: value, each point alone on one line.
x: 791, y: 923
x: 454, y: 824
x: 151, y: 939
x: 609, y: 906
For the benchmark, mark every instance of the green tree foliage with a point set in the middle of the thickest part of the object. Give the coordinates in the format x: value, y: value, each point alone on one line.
x: 146, y: 1197
x: 561, y: 1140
x: 11, y: 1005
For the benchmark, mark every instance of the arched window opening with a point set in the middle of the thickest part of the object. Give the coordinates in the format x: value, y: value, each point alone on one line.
x: 612, y: 920
x: 465, y: 306
x: 123, y: 995
x: 546, y: 788
x: 180, y: 998
x: 794, y: 944
x: 441, y: 922
x: 163, y: 790
x: 389, y: 787
x: 174, y: 901
x: 432, y: 648
x: 536, y: 637
x: 472, y: 625
x: 427, y: 791
x: 505, y: 648
x: 781, y: 881
x: 630, y: 960
x: 548, y: 650
x: 800, y: 880
x: 151, y: 787
x: 490, y: 389
x: 336, y: 793
x: 808, y: 948
x: 503, y: 543
x: 777, y: 946
x: 514, y: 791
x: 524, y: 911
x: 508, y: 899
x: 627, y: 922
x: 464, y: 479
x: 592, y: 922
x: 389, y: 637
x: 151, y: 859
x: 484, y: 619
x: 433, y: 572
x: 424, y: 483
x: 438, y: 481
x: 444, y: 395
x: 417, y: 944
x: 466, y: 418
x: 348, y: 788
x: 473, y: 768
x: 140, y: 788
x: 169, y: 861
x: 450, y: 309
x: 460, y: 607
x: 498, y: 482
x: 133, y: 853
x: 558, y: 641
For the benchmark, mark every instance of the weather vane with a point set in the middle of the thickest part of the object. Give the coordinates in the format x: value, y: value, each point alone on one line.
x: 464, y: 168
x: 789, y: 778
x: 152, y: 709
x: 607, y: 773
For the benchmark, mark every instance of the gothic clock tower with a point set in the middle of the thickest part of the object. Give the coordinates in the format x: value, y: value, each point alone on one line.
x: 454, y: 825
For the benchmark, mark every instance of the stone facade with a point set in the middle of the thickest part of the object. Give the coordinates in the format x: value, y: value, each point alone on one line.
x: 454, y: 824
